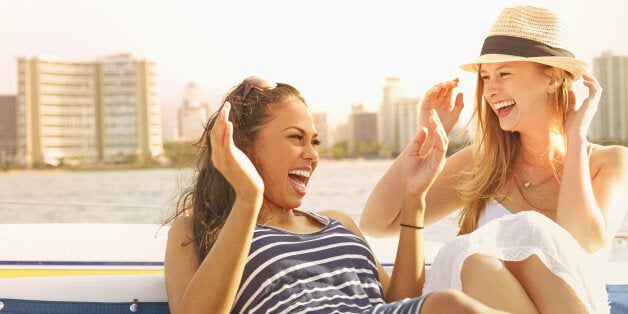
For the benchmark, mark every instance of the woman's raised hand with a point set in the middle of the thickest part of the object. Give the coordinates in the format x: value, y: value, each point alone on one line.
x: 420, y: 171
x: 232, y: 163
x: 579, y: 119
x: 439, y: 98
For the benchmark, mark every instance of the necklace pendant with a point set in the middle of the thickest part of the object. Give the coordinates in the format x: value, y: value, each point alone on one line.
x: 526, y: 184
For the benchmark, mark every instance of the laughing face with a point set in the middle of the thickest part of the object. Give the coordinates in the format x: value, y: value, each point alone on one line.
x: 285, y: 154
x: 520, y: 94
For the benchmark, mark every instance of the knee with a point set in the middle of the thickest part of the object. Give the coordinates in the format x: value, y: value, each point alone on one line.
x: 478, y: 265
x: 451, y: 301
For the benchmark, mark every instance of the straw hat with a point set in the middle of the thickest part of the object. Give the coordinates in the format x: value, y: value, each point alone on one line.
x: 527, y: 33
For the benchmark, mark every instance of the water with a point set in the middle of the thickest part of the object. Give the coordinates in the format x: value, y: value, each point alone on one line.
x: 147, y: 196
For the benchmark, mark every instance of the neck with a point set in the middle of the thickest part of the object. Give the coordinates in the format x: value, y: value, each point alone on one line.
x: 273, y: 215
x: 542, y: 149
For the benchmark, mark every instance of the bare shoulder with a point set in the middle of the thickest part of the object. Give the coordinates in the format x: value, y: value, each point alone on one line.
x: 615, y: 156
x: 610, y: 160
x: 180, y: 254
x: 179, y: 239
x: 180, y: 229
x: 610, y: 152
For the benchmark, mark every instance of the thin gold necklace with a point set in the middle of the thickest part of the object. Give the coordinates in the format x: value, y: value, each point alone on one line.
x: 525, y: 183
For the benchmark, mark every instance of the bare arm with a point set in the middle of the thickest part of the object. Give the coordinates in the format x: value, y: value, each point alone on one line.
x: 590, y: 205
x: 593, y: 208
x: 381, y: 213
x: 419, y: 172
x: 212, y: 285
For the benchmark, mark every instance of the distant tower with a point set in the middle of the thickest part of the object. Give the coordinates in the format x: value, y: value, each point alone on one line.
x: 407, y: 121
x: 362, y: 127
x: 322, y: 127
x: 611, y: 119
x: 392, y: 91
x: 8, y: 128
x: 86, y: 111
x: 193, y: 114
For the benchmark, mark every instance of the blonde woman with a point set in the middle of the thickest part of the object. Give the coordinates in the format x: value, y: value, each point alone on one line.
x: 538, y: 201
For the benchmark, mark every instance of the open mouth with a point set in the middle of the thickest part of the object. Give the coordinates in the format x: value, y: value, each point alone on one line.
x: 299, y: 179
x: 503, y: 108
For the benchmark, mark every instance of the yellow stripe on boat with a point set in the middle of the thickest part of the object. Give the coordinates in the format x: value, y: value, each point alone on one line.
x: 19, y: 273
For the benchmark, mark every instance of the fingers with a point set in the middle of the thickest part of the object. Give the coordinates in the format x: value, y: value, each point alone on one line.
x: 595, y: 91
x: 418, y: 141
x: 437, y: 131
x: 227, y: 140
x: 459, y: 104
x: 445, y: 89
x: 221, y: 133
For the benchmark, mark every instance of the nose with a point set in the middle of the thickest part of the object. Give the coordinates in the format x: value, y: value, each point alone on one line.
x: 490, y: 88
x: 310, y: 152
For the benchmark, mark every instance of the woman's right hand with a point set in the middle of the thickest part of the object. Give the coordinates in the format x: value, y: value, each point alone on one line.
x: 439, y: 98
x: 232, y: 163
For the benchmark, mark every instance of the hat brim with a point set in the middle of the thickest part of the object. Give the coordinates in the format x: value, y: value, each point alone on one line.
x: 574, y: 66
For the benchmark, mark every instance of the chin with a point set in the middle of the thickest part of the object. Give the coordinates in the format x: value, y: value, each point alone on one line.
x: 506, y: 128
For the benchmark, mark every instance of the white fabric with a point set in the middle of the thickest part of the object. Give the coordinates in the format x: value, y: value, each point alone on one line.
x: 493, y: 210
x: 516, y: 237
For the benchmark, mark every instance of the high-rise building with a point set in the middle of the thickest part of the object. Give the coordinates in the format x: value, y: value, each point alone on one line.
x: 610, y: 123
x: 407, y: 121
x: 87, y: 111
x: 8, y: 128
x: 392, y: 91
x: 322, y: 127
x: 193, y: 114
x: 362, y: 128
x: 131, y: 116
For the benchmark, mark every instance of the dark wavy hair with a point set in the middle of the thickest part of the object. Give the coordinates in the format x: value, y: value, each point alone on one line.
x: 209, y: 199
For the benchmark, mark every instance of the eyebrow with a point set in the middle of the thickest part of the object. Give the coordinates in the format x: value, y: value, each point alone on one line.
x: 299, y: 129
x: 498, y: 68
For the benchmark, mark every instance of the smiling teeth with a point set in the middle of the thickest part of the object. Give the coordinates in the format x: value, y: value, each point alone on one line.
x: 503, y: 104
x: 301, y: 173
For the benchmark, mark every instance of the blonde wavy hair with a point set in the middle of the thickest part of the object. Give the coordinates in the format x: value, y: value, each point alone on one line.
x: 494, y: 151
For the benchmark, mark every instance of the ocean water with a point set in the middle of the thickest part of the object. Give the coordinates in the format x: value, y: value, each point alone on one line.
x: 148, y: 195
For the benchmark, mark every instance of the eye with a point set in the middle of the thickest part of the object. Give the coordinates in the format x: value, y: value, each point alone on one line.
x: 296, y: 137
x: 484, y: 77
x: 502, y: 74
x: 316, y: 142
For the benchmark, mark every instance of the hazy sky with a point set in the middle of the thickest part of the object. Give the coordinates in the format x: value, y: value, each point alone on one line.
x: 336, y: 52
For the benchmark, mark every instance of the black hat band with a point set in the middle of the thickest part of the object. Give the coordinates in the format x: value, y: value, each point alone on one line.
x: 522, y: 47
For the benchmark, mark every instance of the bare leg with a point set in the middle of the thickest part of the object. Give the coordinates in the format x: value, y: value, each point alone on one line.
x: 454, y: 301
x: 487, y: 280
x: 549, y: 292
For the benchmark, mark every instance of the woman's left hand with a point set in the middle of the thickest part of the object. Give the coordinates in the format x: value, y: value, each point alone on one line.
x: 579, y: 119
x: 419, y: 172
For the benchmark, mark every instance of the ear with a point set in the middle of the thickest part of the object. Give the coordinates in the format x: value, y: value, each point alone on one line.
x: 556, y: 78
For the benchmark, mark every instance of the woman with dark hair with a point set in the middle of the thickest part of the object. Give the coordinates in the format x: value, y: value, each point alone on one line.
x: 536, y: 199
x: 240, y: 244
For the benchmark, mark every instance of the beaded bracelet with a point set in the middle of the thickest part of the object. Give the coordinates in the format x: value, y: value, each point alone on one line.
x: 411, y: 226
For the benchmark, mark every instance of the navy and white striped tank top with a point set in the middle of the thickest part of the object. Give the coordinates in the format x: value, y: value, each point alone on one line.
x: 328, y: 271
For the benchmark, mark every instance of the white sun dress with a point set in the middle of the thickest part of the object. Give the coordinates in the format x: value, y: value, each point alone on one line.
x: 515, y: 237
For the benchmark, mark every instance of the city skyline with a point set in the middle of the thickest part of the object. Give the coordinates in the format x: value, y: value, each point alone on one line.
x: 336, y: 53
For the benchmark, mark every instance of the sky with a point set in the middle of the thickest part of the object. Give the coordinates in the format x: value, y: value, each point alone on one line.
x: 336, y: 52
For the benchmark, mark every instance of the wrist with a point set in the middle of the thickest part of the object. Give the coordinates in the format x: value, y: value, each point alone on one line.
x: 575, y: 143
x: 413, y: 211
x: 250, y: 199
